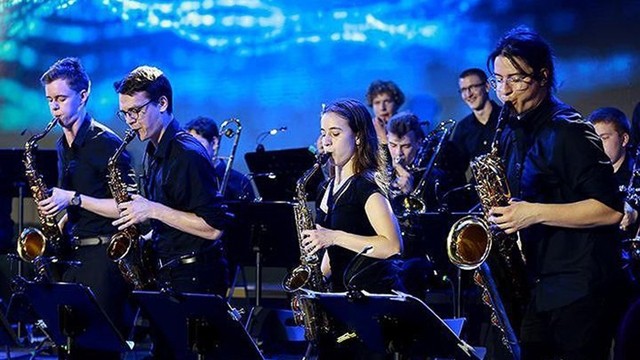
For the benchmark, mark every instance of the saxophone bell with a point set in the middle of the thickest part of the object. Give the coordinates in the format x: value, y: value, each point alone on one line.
x: 31, y: 244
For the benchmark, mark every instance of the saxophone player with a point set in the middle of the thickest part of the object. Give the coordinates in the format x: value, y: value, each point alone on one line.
x: 83, y: 152
x: 205, y: 130
x: 180, y: 200
x: 353, y: 213
x: 565, y: 205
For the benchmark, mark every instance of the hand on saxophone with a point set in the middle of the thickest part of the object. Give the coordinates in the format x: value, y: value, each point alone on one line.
x: 56, y: 202
x: 317, y: 239
x: 133, y: 212
x: 513, y: 217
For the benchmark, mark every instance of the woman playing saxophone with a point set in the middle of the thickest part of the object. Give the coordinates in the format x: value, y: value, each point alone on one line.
x: 353, y: 214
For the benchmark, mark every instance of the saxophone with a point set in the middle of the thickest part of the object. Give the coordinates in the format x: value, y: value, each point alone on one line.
x: 308, y: 274
x: 40, y: 247
x: 126, y: 246
x: 471, y: 239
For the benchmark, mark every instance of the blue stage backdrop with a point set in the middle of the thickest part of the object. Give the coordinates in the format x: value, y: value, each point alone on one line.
x: 274, y: 63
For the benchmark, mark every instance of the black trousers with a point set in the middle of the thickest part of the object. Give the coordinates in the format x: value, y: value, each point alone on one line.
x: 582, y: 330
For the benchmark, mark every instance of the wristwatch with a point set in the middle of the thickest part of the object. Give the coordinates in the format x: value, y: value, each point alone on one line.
x: 76, y: 200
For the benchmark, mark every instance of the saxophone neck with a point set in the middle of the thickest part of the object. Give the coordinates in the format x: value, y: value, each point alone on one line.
x: 128, y: 137
x: 31, y: 143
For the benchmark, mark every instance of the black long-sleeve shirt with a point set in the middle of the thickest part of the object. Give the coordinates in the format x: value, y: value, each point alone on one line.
x: 82, y: 167
x: 179, y: 174
x: 553, y: 157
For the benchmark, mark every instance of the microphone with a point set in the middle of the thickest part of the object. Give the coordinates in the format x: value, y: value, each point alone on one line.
x: 367, y: 249
x: 263, y: 135
x: 276, y: 130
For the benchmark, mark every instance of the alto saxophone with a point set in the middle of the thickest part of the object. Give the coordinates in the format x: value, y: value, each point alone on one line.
x: 39, y: 247
x: 308, y: 274
x: 126, y: 247
x: 471, y: 239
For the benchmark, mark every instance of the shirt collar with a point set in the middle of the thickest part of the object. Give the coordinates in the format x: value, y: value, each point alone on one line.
x: 81, y: 136
x: 163, y: 147
x: 534, y: 117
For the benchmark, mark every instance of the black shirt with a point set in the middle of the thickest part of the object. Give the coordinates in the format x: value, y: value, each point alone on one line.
x: 82, y: 167
x: 553, y: 157
x: 180, y: 175
x: 347, y: 214
x: 472, y: 138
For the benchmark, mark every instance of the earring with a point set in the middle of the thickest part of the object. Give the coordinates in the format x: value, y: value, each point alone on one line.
x: 357, y: 141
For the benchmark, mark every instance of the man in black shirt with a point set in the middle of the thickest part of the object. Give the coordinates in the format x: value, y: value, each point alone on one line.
x: 206, y: 132
x: 83, y: 152
x: 181, y: 204
x: 565, y: 205
x: 473, y: 134
x: 613, y: 128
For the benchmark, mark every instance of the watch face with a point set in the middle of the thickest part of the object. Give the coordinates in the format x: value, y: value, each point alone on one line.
x: 75, y: 200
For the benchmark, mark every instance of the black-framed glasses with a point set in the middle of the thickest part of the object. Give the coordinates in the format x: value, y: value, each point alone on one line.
x: 472, y: 88
x: 133, y: 113
x: 516, y: 82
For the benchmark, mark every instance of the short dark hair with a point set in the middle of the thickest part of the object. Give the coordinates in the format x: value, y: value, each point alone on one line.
x: 148, y: 79
x: 69, y: 69
x: 359, y: 119
x: 474, y: 71
x: 404, y: 122
x: 527, y: 45
x: 611, y: 115
x: 204, y: 126
x: 385, y: 87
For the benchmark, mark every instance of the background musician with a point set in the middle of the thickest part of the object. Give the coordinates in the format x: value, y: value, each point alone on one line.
x: 565, y: 205
x: 405, y: 136
x: 352, y: 211
x: 613, y: 128
x: 474, y: 133
x: 385, y: 98
x: 205, y: 130
x: 83, y: 153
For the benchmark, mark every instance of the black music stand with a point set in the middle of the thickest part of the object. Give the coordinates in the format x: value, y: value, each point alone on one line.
x: 198, y: 326
x: 8, y: 337
x: 74, y: 317
x: 262, y: 233
x: 275, y: 172
x: 394, y: 323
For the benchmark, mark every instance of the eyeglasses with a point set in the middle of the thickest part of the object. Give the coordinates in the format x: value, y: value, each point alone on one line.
x: 133, y: 113
x: 516, y: 82
x: 472, y: 88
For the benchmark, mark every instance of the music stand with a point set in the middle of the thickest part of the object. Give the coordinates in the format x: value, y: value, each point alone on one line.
x: 8, y: 337
x: 198, y: 326
x: 264, y: 232
x: 398, y: 322
x: 275, y: 172
x: 74, y: 317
